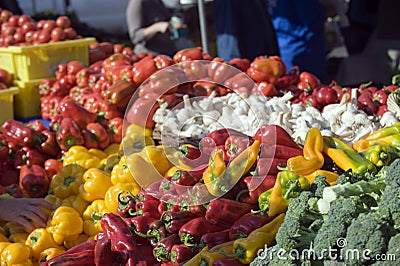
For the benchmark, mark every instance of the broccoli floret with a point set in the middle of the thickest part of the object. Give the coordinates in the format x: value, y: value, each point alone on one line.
x: 367, y: 232
x: 341, y: 213
x: 393, y: 252
x: 270, y: 257
x: 389, y: 204
x: 351, y: 177
x: 318, y: 185
x: 300, y: 225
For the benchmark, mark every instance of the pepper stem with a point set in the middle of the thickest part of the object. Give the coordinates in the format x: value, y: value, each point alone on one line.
x: 244, y: 191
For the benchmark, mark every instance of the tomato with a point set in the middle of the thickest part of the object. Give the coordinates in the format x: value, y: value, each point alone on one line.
x: 44, y: 36
x: 29, y: 36
x: 63, y: 22
x: 23, y: 19
x: 40, y: 24
x: 19, y: 36
x: 57, y: 34
x: 8, y: 30
x: 70, y: 33
x: 13, y: 20
x: 49, y: 25
x: 5, y: 15
x: 326, y: 95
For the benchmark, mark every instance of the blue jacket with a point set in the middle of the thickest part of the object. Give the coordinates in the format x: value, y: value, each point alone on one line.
x: 299, y: 26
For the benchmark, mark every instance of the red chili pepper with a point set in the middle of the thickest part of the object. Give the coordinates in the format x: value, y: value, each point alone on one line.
x: 240, y: 63
x: 33, y: 179
x: 28, y: 156
x: 102, y: 250
x: 68, y: 134
x: 182, y: 179
x: 82, y: 254
x: 279, y: 151
x: 148, y: 206
x: 122, y: 239
x: 162, y: 251
x: 215, y: 238
x: 273, y: 135
x: 174, y: 220
x: 140, y: 224
x: 181, y: 253
x: 269, y: 166
x: 156, y: 232
x: 126, y: 204
x: 243, y: 226
x: 225, y: 212
x: 188, y: 54
x: 17, y: 132
x: 255, y: 186
x: 192, y: 156
x: 235, y: 144
x: 49, y: 144
x: 168, y: 202
x: 52, y: 167
x: 70, y: 109
x: 101, y: 134
x: 192, y: 231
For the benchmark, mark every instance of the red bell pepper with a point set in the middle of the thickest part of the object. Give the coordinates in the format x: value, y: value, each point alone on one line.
x: 174, y: 220
x: 90, y: 140
x: 9, y: 175
x: 188, y: 54
x: 267, y: 69
x: 225, y: 212
x: 243, y: 226
x: 18, y: 133
x: 101, y: 134
x: 61, y: 87
x: 156, y: 232
x: 45, y: 86
x: 4, y: 149
x: 115, y: 129
x: 198, y: 171
x: 28, y: 156
x: 149, y: 206
x: 192, y: 231
x: 216, y: 138
x: 33, y: 179
x: 71, y: 109
x: 220, y: 72
x: 143, y: 69
x: 48, y: 143
x: 142, y: 110
x: 289, y: 79
x: 16, y: 191
x: 68, y: 134
x: 269, y: 166
x: 203, y: 88
x: 181, y: 253
x: 235, y: 144
x: 52, y: 167
x: 365, y: 103
x: 215, y: 238
x: 380, y: 96
x: 240, y: 63
x: 82, y: 76
x: 279, y: 151
x: 102, y: 250
x: 163, y: 61
x: 168, y: 202
x: 49, y: 106
x: 255, y: 186
x: 194, y: 70
x: 37, y: 125
x: 162, y: 251
x: 238, y: 81
x: 274, y: 135
x: 126, y: 204
x: 266, y: 89
x: 140, y: 224
x: 310, y: 79
x: 182, y: 179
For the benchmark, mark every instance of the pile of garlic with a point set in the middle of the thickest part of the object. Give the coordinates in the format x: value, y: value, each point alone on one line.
x: 246, y: 113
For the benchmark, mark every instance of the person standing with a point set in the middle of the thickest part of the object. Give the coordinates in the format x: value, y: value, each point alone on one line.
x: 243, y: 29
x: 148, y: 27
x: 299, y: 26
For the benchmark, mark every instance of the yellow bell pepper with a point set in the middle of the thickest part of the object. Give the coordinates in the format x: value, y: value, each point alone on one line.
x: 144, y: 173
x: 69, y: 243
x: 111, y: 197
x: 135, y: 143
x: 3, y: 245
x: 53, y: 199
x: 65, y: 224
x: 156, y: 157
x: 13, y: 228
x: 330, y: 176
x: 112, y: 149
x: 108, y: 163
x: 68, y: 181
x: 121, y: 173
x: 16, y: 254
x: 76, y: 202
x: 82, y: 156
x: 96, y: 183
x: 50, y: 253
x: 92, y: 217
x: 133, y: 129
x: 39, y: 240
x: 18, y: 237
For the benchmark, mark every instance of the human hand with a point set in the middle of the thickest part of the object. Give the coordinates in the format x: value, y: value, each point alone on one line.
x: 161, y: 26
x: 25, y: 211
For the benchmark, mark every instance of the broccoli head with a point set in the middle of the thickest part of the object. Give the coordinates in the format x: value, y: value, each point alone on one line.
x: 351, y: 177
x: 318, y: 185
x: 302, y: 208
x: 393, y: 252
x: 367, y: 232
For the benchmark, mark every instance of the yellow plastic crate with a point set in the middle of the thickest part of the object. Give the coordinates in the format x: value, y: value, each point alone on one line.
x: 27, y: 102
x: 40, y: 61
x: 7, y: 103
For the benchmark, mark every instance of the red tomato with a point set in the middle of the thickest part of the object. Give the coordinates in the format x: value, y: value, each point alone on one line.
x: 57, y: 34
x: 49, y: 25
x: 70, y: 33
x: 44, y: 36
x: 5, y: 15
x: 23, y: 19
x: 13, y: 20
x: 63, y: 22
